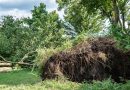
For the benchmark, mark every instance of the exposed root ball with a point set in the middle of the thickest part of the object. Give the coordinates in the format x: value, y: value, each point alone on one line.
x: 95, y: 59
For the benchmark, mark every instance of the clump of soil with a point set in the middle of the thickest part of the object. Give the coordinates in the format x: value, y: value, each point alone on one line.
x: 93, y: 59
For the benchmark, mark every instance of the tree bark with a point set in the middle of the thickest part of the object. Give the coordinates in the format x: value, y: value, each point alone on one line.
x: 115, y: 13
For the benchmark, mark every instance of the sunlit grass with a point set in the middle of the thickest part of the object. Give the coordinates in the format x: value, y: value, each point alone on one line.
x: 18, y: 77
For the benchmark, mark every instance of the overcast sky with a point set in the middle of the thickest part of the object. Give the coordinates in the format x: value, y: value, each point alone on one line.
x: 21, y: 8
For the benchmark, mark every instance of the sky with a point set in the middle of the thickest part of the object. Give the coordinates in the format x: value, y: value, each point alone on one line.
x: 22, y: 8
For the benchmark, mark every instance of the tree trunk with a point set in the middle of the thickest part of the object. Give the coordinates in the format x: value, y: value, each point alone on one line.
x: 115, y: 13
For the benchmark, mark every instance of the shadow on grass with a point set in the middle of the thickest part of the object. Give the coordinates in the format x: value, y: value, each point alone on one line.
x: 19, y: 77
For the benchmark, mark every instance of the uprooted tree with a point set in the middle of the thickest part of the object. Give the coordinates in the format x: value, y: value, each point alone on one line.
x: 94, y: 59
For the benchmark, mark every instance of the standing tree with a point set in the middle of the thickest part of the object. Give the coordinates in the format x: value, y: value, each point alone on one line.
x: 16, y: 36
x: 114, y: 10
x: 47, y: 27
x: 78, y: 16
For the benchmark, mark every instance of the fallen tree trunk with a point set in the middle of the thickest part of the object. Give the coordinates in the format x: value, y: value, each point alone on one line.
x: 10, y: 62
x: 20, y: 63
x: 5, y: 65
x: 5, y: 69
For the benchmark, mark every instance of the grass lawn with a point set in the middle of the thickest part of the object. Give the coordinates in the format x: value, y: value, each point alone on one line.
x: 26, y: 80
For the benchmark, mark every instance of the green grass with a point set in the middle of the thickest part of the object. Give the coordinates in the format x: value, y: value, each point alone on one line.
x: 18, y: 77
x: 26, y: 80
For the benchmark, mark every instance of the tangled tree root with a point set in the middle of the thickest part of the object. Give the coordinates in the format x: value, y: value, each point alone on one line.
x: 94, y: 59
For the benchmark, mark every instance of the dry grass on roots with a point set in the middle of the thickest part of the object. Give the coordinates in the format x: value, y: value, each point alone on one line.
x: 94, y: 59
